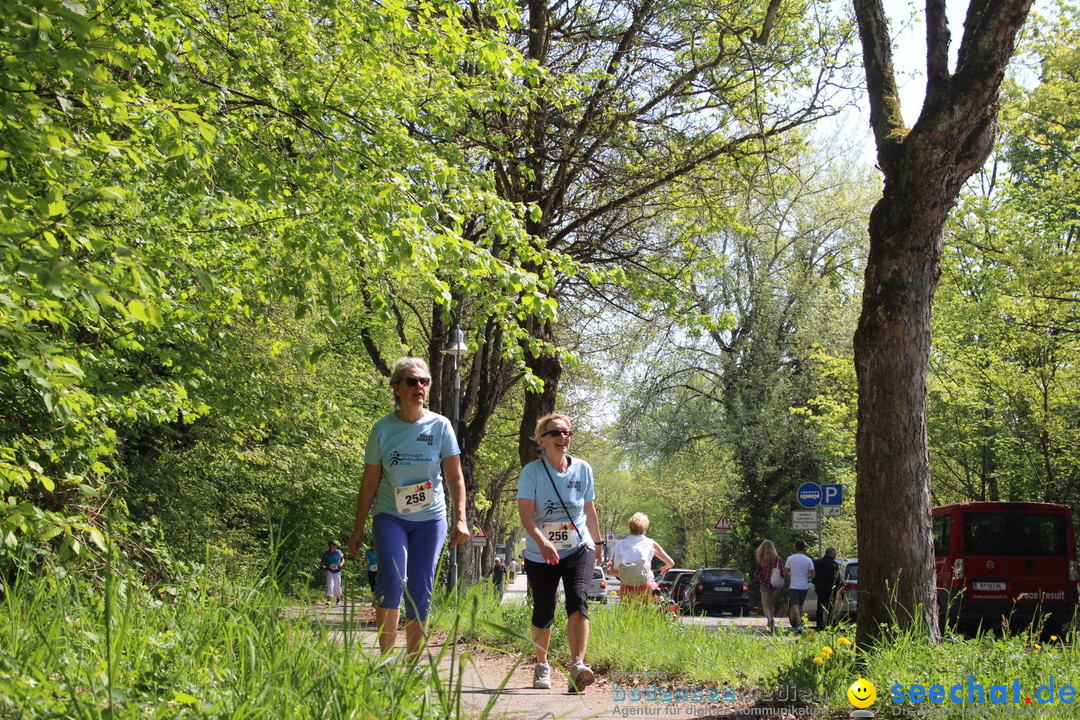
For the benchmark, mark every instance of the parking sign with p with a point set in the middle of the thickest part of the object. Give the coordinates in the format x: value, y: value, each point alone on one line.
x: 832, y: 495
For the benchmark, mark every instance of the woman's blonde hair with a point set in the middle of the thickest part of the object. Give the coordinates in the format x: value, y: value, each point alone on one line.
x: 766, y: 553
x: 639, y: 523
x: 542, y: 423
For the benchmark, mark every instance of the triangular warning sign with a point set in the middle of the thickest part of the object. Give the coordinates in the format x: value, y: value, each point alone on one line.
x: 478, y: 532
x: 722, y: 523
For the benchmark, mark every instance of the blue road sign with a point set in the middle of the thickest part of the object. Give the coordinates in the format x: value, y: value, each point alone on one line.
x: 832, y: 495
x: 809, y: 494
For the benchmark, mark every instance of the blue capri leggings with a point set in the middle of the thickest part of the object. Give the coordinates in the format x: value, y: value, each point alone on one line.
x: 408, y: 555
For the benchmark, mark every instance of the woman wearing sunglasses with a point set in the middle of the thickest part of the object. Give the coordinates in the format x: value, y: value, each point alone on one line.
x: 556, y: 503
x: 411, y: 454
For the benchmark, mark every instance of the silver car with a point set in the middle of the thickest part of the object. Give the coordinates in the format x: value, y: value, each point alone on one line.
x: 847, y: 597
x: 598, y: 589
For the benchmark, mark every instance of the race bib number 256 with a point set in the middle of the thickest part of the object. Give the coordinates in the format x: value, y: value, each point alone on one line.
x: 562, y: 535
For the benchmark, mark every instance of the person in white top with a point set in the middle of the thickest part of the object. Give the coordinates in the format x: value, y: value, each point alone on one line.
x: 799, y: 568
x: 631, y: 560
x: 511, y: 568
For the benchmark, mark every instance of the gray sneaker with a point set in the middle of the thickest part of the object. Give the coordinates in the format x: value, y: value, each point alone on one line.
x: 581, y: 676
x: 542, y: 676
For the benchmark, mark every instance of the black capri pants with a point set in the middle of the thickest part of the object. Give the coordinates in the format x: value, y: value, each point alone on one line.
x: 576, y: 573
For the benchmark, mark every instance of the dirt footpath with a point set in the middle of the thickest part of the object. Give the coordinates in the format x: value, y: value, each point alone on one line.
x: 504, y: 682
x: 490, y: 677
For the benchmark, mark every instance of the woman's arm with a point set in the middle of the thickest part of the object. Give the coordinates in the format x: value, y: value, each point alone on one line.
x: 527, y: 514
x: 369, y: 485
x: 592, y: 521
x: 455, y: 483
x: 659, y: 552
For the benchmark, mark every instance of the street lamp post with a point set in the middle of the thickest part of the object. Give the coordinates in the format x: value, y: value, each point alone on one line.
x: 456, y: 347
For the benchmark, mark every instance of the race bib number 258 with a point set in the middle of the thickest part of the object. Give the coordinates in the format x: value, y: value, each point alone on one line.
x: 413, y: 498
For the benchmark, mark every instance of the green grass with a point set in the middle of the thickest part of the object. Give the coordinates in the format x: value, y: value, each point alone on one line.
x: 640, y: 642
x: 215, y: 648
x: 113, y: 649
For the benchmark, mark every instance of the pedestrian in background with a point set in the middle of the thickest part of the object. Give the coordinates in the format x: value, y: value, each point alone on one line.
x: 498, y: 575
x: 556, y: 504
x: 372, y: 561
x: 411, y: 458
x: 769, y: 582
x: 512, y: 569
x: 631, y: 561
x: 332, y: 560
x: 825, y: 577
x: 800, y: 569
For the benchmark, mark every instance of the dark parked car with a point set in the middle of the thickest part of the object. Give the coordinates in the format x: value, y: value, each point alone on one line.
x: 717, y: 590
x: 664, y: 583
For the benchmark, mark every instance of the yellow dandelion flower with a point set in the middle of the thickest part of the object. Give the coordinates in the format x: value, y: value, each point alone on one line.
x: 819, y: 660
x: 1038, y: 647
x: 843, y: 641
x: 1053, y: 638
x: 826, y: 651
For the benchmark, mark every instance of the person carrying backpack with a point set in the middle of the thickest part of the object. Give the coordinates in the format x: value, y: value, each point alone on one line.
x: 631, y: 561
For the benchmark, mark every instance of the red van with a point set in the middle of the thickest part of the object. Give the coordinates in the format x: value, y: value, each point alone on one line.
x: 999, y: 561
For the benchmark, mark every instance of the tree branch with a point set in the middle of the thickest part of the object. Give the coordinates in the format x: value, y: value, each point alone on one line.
x: 886, y: 118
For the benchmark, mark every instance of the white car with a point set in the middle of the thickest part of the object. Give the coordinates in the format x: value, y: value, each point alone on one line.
x: 847, y: 597
x: 598, y: 589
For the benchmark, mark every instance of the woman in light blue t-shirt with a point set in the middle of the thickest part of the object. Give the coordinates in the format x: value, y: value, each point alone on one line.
x: 411, y: 455
x: 556, y: 504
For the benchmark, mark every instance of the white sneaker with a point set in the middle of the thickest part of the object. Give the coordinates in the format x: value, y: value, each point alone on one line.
x: 542, y: 676
x: 581, y: 676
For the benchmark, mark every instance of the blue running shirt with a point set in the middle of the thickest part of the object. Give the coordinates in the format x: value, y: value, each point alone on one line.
x: 576, y: 488
x: 411, y: 456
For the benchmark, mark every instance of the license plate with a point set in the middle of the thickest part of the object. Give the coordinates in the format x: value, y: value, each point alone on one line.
x: 723, y: 588
x: 989, y: 585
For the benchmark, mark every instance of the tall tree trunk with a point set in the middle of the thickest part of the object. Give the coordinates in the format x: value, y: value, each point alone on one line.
x: 548, y: 368
x: 924, y: 170
x: 892, y: 350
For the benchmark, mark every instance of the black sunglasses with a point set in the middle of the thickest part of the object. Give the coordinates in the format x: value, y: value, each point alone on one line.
x: 553, y: 433
x: 414, y: 381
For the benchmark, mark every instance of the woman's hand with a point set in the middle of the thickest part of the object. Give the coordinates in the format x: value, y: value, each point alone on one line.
x: 356, y: 542
x: 551, y: 555
x: 600, y: 556
x: 461, y: 533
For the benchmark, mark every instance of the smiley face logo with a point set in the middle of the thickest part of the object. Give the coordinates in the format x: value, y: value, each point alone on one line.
x: 862, y: 693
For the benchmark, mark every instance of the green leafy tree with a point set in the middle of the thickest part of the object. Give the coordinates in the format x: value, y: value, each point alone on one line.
x: 173, y: 172
x: 634, y: 105
x: 749, y: 372
x: 1004, y: 390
